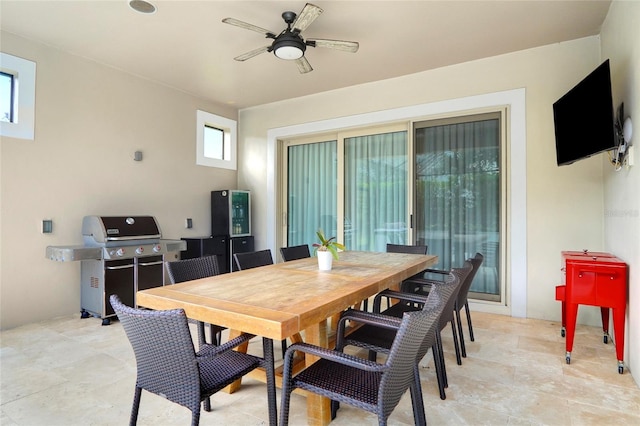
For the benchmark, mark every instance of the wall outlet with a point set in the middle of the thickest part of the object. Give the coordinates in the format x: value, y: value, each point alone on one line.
x: 47, y: 226
x: 188, y: 223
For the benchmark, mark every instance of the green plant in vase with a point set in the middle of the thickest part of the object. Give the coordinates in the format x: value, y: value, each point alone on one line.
x: 327, y: 244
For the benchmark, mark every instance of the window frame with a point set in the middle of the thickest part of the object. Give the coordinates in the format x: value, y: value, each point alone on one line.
x: 24, y: 94
x: 229, y: 128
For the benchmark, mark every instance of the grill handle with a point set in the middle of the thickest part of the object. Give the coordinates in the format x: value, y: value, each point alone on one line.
x: 160, y: 262
x: 112, y: 268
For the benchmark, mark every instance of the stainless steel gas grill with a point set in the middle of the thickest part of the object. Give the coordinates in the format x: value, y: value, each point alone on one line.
x: 120, y: 255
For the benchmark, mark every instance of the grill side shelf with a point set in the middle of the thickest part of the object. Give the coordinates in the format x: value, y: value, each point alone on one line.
x: 73, y: 253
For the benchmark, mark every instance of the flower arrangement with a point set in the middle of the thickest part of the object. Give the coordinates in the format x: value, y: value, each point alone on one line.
x: 327, y: 244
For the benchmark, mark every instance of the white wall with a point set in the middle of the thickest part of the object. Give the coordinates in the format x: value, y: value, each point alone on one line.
x: 620, y: 35
x: 90, y: 119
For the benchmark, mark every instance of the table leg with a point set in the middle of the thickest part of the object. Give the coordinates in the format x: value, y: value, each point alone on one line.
x: 243, y: 349
x: 267, y: 347
x: 318, y: 408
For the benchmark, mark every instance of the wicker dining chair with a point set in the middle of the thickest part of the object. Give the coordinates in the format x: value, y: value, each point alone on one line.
x: 169, y: 366
x: 423, y: 287
x: 364, y: 384
x: 194, y: 269
x: 377, y: 340
x: 253, y: 259
x: 402, y: 248
x: 295, y: 252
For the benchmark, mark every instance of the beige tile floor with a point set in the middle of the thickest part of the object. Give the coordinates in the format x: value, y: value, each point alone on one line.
x: 70, y: 371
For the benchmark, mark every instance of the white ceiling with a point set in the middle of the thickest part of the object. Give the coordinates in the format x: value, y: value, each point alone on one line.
x: 186, y: 46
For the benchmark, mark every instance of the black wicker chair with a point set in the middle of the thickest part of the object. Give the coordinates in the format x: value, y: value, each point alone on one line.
x: 295, y: 252
x: 169, y: 366
x: 401, y: 248
x: 193, y: 269
x: 423, y: 287
x: 364, y: 384
x: 253, y: 259
x: 377, y: 340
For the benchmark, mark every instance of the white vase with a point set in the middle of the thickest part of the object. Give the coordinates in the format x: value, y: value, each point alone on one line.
x: 325, y: 260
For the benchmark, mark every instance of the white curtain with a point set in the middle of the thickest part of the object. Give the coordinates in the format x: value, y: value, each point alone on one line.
x: 375, y: 191
x: 458, y: 195
x: 312, y: 191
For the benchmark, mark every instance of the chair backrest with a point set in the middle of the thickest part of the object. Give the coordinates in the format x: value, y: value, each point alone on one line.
x: 400, y: 248
x: 295, y: 252
x: 192, y: 269
x: 461, y: 273
x: 475, y: 261
x: 253, y: 259
x: 415, y: 328
x: 164, y: 351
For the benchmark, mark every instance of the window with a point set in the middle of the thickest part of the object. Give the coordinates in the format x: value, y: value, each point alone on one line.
x: 17, y: 97
x: 7, y: 92
x: 216, y: 141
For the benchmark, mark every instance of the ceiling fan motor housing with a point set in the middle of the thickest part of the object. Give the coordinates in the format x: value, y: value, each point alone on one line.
x: 289, y: 45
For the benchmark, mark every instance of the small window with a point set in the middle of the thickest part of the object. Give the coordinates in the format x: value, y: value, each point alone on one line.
x: 17, y: 97
x: 7, y: 95
x: 216, y: 141
x: 213, y: 143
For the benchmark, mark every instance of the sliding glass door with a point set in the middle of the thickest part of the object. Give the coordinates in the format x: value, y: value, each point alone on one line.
x: 458, y: 194
x: 353, y: 188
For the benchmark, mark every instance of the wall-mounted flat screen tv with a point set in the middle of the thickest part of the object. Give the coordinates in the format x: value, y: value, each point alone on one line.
x: 584, y: 118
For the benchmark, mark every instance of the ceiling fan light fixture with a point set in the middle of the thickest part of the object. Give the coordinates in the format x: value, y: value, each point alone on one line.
x: 288, y: 52
x: 289, y: 46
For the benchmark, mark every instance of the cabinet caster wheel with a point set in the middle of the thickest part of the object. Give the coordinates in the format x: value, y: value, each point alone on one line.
x: 106, y: 321
x: 84, y: 314
x: 620, y: 367
x: 568, y: 358
x: 605, y: 339
x: 562, y: 332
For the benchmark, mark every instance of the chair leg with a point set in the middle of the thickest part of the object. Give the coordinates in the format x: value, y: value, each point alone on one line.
x: 438, y: 367
x: 419, y: 417
x: 445, y: 381
x: 267, y: 349
x: 284, y: 347
x: 456, y: 344
x: 136, y: 406
x: 207, y: 404
x: 373, y: 355
x: 195, y: 417
x: 460, y: 333
x: 466, y: 308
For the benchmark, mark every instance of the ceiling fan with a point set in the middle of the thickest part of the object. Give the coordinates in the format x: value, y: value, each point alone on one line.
x: 289, y: 44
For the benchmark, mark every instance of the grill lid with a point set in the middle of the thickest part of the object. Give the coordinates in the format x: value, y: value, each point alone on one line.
x: 104, y: 229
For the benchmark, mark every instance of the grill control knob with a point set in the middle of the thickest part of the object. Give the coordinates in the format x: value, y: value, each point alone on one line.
x: 140, y: 250
x: 157, y: 248
x: 120, y: 252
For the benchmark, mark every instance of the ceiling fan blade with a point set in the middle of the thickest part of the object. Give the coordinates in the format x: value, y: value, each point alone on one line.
x: 303, y: 65
x: 346, y: 46
x: 246, y: 26
x: 308, y: 14
x: 252, y: 53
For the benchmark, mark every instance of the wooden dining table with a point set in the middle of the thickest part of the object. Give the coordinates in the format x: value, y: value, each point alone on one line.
x: 288, y: 299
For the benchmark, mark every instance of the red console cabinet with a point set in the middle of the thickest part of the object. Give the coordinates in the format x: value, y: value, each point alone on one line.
x: 596, y: 279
